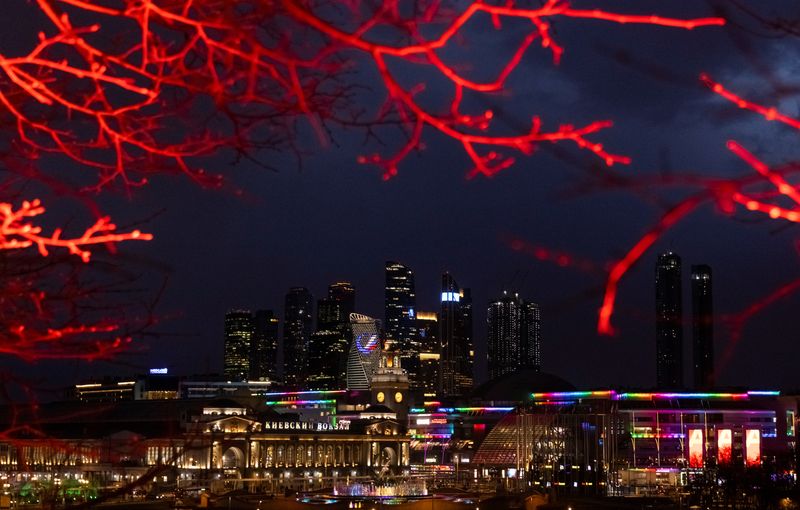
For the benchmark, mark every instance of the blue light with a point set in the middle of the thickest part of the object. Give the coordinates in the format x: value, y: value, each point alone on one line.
x: 372, y: 343
x: 411, y: 313
x: 451, y: 297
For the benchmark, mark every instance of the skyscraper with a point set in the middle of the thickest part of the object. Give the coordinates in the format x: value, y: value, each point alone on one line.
x: 238, y: 336
x: 365, y: 351
x: 513, y: 335
x: 455, y: 339
x: 297, y: 328
x: 264, y: 346
x: 702, y: 327
x: 428, y: 334
x: 400, y: 315
x: 669, y: 322
x: 328, y: 348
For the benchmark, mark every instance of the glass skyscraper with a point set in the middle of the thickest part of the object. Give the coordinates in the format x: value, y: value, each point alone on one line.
x: 455, y: 339
x: 669, y: 322
x: 702, y: 327
x: 264, y: 346
x: 365, y: 351
x: 297, y: 327
x: 514, y: 335
x: 400, y: 315
x: 238, y: 338
x: 328, y: 348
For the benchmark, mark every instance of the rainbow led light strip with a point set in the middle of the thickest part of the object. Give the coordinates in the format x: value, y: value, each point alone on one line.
x: 311, y: 392
x: 299, y: 402
x: 574, y: 394
x: 613, y: 395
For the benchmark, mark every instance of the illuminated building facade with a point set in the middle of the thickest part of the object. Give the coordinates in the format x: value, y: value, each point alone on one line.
x: 239, y: 331
x: 456, y: 352
x: 328, y: 347
x: 514, y: 335
x: 428, y: 334
x: 297, y: 328
x: 264, y: 346
x: 401, y: 316
x: 364, y: 356
x: 669, y: 322
x: 206, y: 442
x: 702, y: 327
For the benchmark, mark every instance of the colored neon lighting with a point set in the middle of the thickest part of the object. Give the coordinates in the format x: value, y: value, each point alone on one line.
x: 299, y: 402
x: 431, y: 403
x: 724, y: 442
x: 696, y: 448
x: 314, y: 392
x: 764, y: 393
x: 372, y: 343
x: 484, y: 409
x: 573, y: 394
x: 651, y: 435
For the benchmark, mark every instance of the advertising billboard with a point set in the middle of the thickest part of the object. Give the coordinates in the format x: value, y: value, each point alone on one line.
x: 752, y: 447
x: 696, y: 448
x: 724, y: 443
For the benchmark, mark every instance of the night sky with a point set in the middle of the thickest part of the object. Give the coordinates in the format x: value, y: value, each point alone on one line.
x: 332, y: 219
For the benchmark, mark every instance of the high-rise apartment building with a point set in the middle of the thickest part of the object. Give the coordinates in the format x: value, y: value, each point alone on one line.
x: 702, y: 327
x: 514, y: 335
x: 455, y: 339
x: 264, y: 346
x: 298, y: 324
x: 328, y: 348
x: 400, y: 315
x: 428, y: 334
x: 669, y: 322
x: 238, y: 338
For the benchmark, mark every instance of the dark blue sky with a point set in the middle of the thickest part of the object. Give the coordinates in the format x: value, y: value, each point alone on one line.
x: 335, y: 219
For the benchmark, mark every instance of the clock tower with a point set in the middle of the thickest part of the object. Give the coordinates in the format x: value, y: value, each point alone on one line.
x: 389, y: 385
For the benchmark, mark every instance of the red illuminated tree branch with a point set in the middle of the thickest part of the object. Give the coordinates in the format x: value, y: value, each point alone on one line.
x: 781, y: 203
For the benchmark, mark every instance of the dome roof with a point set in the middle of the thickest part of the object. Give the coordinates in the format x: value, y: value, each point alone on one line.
x: 517, y: 386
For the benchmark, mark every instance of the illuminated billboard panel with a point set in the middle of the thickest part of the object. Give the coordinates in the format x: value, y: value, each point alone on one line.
x: 696, y: 448
x: 724, y: 442
x: 752, y: 447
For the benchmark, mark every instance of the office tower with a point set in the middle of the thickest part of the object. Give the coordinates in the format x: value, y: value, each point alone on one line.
x: 297, y: 327
x: 264, y: 346
x: 514, y: 329
x: 238, y: 335
x: 669, y: 322
x: 328, y: 348
x: 428, y: 334
x: 365, y: 351
x: 400, y: 315
x: 455, y: 339
x: 702, y: 327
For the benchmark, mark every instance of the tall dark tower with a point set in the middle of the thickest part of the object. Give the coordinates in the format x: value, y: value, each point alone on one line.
x: 669, y: 322
x: 514, y: 335
x: 702, y: 327
x: 401, y: 320
x: 238, y: 336
x: 455, y: 339
x: 328, y: 348
x: 264, y: 346
x: 297, y: 328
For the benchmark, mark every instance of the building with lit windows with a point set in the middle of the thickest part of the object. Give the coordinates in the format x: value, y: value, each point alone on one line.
x: 401, y: 317
x: 298, y: 324
x: 328, y: 346
x: 669, y: 322
x: 456, y: 353
x: 702, y: 327
x: 239, y: 330
x: 428, y: 334
x: 264, y: 346
x: 217, y: 444
x: 365, y: 352
x: 514, y: 335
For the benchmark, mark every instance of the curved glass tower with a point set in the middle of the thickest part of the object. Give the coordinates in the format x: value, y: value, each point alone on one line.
x: 365, y: 351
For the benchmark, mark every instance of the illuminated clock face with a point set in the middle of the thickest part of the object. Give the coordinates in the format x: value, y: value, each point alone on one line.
x: 381, y: 397
x: 398, y: 397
